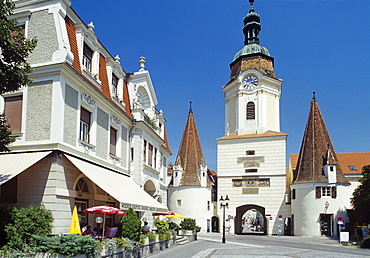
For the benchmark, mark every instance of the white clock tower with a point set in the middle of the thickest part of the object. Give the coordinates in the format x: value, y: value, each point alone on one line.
x: 251, y: 155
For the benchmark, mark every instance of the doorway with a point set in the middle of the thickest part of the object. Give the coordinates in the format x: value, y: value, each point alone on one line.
x: 215, y: 224
x: 326, y: 224
x: 250, y: 219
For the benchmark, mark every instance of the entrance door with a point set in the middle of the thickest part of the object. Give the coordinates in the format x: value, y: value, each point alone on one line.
x: 215, y: 224
x: 326, y: 224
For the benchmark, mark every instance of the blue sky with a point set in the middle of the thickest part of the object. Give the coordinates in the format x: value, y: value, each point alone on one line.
x: 320, y: 46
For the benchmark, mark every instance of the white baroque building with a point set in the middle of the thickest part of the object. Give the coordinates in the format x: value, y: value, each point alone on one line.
x: 88, y: 133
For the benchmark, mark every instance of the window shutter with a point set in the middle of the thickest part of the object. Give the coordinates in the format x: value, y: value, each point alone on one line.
x: 13, y: 113
x: 333, y: 192
x: 113, y: 140
x: 318, y: 192
x: 85, y: 116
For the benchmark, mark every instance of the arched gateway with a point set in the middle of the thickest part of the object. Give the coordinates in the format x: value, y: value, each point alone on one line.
x: 241, y: 210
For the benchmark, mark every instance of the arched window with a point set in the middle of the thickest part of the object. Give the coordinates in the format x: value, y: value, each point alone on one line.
x: 81, y: 186
x: 251, y: 111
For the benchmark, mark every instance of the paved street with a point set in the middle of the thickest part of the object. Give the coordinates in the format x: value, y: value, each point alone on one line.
x: 209, y: 245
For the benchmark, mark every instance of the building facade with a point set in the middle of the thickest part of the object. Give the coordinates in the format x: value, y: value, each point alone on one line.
x: 88, y: 133
x: 251, y: 155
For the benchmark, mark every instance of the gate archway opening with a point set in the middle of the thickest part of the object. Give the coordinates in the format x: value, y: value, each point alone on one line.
x: 250, y: 219
x: 215, y: 222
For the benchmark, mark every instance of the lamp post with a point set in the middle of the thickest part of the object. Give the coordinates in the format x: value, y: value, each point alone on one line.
x: 224, y: 204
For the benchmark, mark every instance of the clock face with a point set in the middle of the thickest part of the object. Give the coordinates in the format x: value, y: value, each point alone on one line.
x: 250, y: 82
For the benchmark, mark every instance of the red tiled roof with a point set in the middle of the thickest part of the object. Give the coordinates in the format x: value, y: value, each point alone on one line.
x: 346, y: 159
x: 166, y: 145
x: 190, y: 155
x: 316, y: 150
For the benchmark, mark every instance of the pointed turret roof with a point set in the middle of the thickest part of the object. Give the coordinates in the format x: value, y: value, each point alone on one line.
x: 316, y: 151
x: 190, y: 155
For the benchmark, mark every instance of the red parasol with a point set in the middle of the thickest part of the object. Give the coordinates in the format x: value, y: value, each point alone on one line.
x: 163, y: 213
x: 104, y: 210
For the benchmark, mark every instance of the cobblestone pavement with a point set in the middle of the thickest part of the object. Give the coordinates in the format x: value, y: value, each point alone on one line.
x: 209, y: 246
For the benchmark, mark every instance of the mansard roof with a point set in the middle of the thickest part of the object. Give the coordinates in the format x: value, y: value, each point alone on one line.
x: 190, y: 155
x: 316, y: 151
x: 76, y: 65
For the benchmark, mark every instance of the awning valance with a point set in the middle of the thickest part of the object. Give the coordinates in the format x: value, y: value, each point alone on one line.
x: 12, y: 164
x: 119, y: 186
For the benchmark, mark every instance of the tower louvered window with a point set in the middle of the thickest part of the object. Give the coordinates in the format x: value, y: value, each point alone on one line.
x: 251, y: 111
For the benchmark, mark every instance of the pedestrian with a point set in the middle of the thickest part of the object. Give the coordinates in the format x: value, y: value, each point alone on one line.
x: 146, y: 228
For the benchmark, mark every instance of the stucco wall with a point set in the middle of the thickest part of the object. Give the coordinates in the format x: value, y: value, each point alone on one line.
x: 271, y: 167
x: 102, y: 133
x: 70, y: 115
x: 42, y: 26
x: 124, y: 146
x: 194, y: 202
x: 38, y: 118
x: 306, y: 208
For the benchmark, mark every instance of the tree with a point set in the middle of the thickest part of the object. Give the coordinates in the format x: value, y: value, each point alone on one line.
x: 131, y: 225
x: 5, y: 134
x: 14, y: 50
x: 14, y: 68
x: 361, y: 196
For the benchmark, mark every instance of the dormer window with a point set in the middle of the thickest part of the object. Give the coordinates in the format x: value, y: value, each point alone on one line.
x: 87, y: 58
x: 114, y: 85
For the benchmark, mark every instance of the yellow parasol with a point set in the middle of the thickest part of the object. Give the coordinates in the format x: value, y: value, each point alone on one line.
x: 74, y: 228
x: 176, y: 215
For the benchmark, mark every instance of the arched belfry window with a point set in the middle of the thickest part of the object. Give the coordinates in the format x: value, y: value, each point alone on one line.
x: 251, y: 111
x: 81, y: 186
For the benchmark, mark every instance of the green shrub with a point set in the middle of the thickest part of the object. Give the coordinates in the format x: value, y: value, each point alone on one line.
x: 128, y: 244
x: 5, y: 218
x: 143, y: 238
x: 365, y: 242
x: 69, y: 245
x: 188, y: 224
x: 33, y: 220
x: 131, y: 225
x: 166, y: 235
x: 197, y: 229
x: 110, y: 245
x: 152, y: 236
x: 173, y: 226
x: 161, y: 225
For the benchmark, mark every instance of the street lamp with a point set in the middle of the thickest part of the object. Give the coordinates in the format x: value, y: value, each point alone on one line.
x: 224, y: 204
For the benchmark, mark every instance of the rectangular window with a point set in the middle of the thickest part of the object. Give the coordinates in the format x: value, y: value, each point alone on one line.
x: 113, y: 141
x: 114, y: 85
x: 132, y: 154
x: 85, y: 122
x: 326, y: 191
x: 208, y: 205
x: 13, y: 113
x: 178, y: 202
x: 144, y: 151
x: 293, y: 194
x: 150, y: 155
x: 155, y: 158
x: 87, y: 58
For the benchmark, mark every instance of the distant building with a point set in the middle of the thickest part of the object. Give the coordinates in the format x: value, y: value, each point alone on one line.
x: 88, y: 133
x: 190, y: 188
